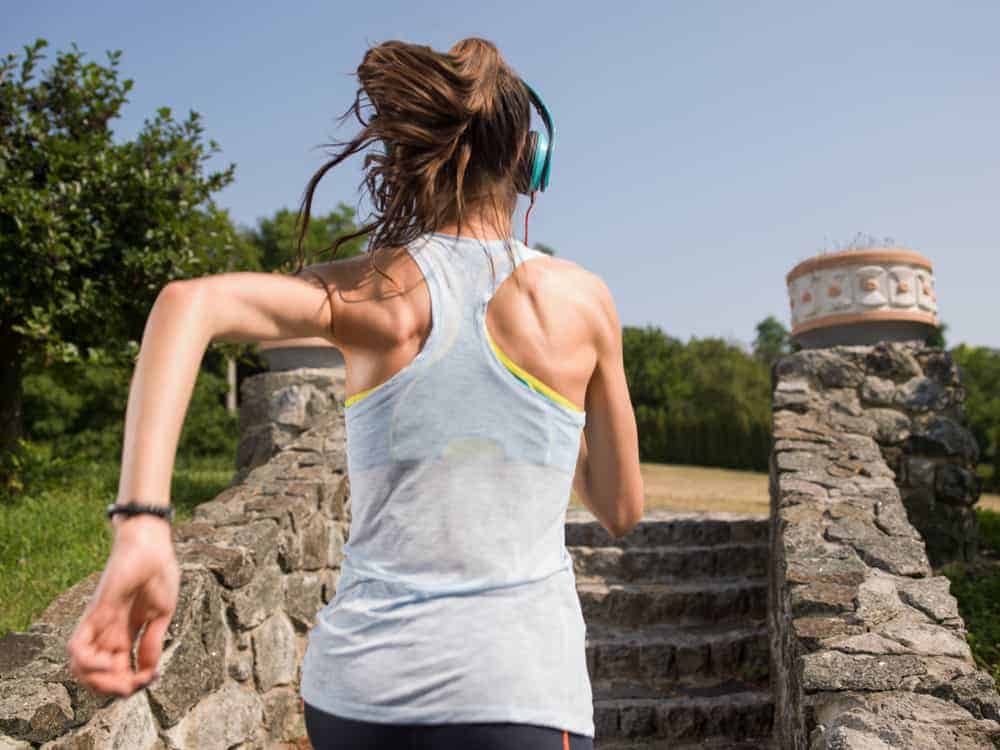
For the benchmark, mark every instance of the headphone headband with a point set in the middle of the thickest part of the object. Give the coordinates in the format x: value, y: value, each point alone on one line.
x: 540, y: 162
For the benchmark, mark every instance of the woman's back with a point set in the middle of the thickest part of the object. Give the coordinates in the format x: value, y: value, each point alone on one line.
x: 457, y: 599
x: 543, y: 318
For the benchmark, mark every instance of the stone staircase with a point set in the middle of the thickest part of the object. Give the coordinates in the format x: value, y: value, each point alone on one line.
x: 677, y: 642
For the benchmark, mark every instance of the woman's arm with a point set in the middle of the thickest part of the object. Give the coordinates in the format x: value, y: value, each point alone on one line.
x: 140, y: 583
x: 608, y: 478
x: 186, y: 317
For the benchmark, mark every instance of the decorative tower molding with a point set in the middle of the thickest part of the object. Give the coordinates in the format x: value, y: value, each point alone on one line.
x: 861, y: 297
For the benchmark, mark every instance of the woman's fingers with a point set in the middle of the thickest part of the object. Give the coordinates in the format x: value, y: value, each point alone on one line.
x: 122, y: 683
x: 100, y: 653
x: 85, y: 652
x: 151, y: 643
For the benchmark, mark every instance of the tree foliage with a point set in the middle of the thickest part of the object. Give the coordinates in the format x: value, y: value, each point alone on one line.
x: 274, y: 240
x: 705, y: 402
x: 91, y: 229
x: 772, y: 340
x: 980, y: 372
x: 936, y: 337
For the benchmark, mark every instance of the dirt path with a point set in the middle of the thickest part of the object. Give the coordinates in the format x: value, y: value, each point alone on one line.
x: 675, y: 487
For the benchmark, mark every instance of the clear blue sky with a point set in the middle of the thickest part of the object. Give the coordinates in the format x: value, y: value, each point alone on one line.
x: 703, y: 148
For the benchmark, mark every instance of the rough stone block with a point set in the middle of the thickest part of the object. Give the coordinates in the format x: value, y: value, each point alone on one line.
x: 34, y: 710
x: 316, y: 542
x: 893, y: 361
x: 921, y: 394
x: 274, y: 652
x: 194, y: 658
x: 252, y: 604
x: 127, y: 724
x: 937, y: 435
x: 833, y: 670
x: 9, y: 743
x: 333, y: 497
x: 260, y: 537
x: 283, y: 715
x: 891, y: 426
x: 932, y: 596
x: 304, y: 596
x: 919, y: 471
x: 229, y: 716
x: 876, y: 391
x: 907, y: 720
x: 232, y: 566
x: 956, y: 484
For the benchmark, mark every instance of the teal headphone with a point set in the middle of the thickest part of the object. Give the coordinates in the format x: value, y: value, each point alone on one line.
x: 536, y: 166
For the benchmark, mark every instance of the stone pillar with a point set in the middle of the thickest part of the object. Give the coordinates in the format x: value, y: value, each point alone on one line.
x: 879, y: 304
x: 916, y: 397
x: 306, y: 380
x: 868, y: 648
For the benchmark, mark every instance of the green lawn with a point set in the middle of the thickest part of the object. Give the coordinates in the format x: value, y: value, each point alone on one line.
x: 56, y: 534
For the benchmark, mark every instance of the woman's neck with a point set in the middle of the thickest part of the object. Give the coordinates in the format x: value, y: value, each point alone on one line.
x: 473, y: 230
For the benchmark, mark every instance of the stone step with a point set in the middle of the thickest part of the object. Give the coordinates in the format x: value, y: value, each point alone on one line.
x: 712, y: 743
x: 678, y: 654
x: 673, y: 562
x: 661, y: 527
x: 736, y: 711
x: 694, y: 602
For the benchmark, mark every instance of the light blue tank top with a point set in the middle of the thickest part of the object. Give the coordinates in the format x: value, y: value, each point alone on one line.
x: 457, y: 598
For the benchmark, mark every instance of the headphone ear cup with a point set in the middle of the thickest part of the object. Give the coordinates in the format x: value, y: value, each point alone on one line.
x: 526, y: 166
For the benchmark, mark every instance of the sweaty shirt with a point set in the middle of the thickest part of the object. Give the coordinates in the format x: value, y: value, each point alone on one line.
x: 457, y: 598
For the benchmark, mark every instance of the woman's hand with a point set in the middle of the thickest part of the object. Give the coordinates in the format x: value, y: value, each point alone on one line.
x: 139, y: 587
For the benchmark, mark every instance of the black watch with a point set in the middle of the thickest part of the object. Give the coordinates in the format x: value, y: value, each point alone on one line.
x: 133, y: 509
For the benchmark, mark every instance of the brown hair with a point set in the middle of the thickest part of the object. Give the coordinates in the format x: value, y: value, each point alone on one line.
x: 454, y: 128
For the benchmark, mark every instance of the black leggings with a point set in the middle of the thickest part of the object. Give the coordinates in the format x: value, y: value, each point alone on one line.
x: 330, y: 732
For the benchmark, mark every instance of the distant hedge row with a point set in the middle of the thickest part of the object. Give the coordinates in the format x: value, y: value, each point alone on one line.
x: 705, y: 402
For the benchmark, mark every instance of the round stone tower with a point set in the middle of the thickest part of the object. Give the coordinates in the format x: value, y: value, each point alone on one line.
x: 861, y: 297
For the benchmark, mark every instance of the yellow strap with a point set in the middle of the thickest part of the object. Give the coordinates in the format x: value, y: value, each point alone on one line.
x: 526, y: 376
x: 358, y: 396
x: 534, y: 382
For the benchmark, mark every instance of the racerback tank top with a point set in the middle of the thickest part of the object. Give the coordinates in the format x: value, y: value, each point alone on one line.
x: 457, y: 598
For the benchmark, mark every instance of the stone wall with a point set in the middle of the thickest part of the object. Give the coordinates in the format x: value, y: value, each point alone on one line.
x: 915, y: 395
x: 868, y: 649
x: 277, y: 407
x: 258, y: 562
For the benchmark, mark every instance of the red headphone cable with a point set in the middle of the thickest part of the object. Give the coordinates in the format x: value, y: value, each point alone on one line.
x: 526, y: 214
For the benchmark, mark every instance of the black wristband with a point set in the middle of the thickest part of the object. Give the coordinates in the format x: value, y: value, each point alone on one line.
x: 133, y: 509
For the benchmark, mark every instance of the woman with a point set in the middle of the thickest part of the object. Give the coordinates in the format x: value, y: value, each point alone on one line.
x: 472, y: 407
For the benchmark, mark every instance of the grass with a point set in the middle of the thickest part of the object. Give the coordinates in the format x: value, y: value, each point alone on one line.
x: 976, y: 587
x: 55, y: 535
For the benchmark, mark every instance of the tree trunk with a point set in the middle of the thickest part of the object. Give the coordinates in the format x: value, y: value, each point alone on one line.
x: 231, y: 378
x: 11, y: 397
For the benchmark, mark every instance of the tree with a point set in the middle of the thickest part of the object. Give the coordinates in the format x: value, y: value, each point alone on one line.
x: 705, y: 402
x: 275, y: 239
x: 979, y: 368
x: 772, y: 340
x: 91, y: 230
x: 936, y: 337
